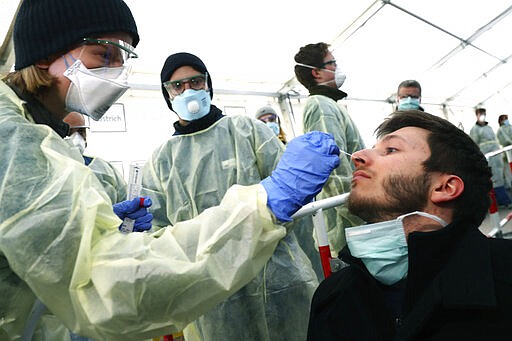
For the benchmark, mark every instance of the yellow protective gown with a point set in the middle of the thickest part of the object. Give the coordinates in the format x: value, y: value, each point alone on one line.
x: 112, y: 181
x: 324, y: 114
x: 504, y: 135
x: 59, y: 241
x: 484, y: 137
x: 192, y: 172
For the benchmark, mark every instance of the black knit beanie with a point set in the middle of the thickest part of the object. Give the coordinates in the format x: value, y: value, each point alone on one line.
x: 46, y: 27
x: 176, y: 61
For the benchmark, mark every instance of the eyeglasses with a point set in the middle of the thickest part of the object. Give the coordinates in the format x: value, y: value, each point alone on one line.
x: 113, y: 51
x: 268, y: 118
x: 177, y: 87
x: 329, y: 62
x: 405, y: 96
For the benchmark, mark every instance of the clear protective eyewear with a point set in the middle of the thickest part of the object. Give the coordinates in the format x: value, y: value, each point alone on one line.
x: 114, y: 52
x: 177, y: 87
x: 329, y: 62
x: 268, y: 118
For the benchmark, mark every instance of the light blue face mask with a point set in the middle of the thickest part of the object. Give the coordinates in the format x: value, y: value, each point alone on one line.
x: 382, y: 247
x: 192, y: 104
x: 409, y: 103
x: 506, y: 122
x: 274, y: 126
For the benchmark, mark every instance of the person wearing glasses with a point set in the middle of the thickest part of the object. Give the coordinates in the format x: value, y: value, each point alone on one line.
x: 208, y: 153
x: 408, y: 95
x: 268, y: 115
x: 318, y: 71
x: 64, y: 265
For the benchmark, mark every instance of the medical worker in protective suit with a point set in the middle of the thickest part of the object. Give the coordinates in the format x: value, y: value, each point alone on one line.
x: 317, y: 69
x: 60, y: 246
x: 484, y: 137
x: 207, y: 154
x: 108, y: 175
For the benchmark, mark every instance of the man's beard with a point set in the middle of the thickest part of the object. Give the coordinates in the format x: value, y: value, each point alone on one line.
x: 403, y: 194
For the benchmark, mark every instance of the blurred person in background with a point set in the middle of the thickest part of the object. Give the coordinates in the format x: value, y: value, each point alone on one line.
x: 408, y: 95
x: 268, y: 115
x: 318, y: 71
x: 484, y: 137
x: 111, y: 179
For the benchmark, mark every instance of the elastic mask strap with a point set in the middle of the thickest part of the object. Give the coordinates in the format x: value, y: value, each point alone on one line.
x: 66, y: 61
x: 314, y: 67
x: 309, y: 66
x: 426, y: 215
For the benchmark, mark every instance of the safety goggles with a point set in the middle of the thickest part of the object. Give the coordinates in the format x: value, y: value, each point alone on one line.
x: 177, y: 87
x: 114, y: 51
x: 268, y: 118
x: 329, y: 62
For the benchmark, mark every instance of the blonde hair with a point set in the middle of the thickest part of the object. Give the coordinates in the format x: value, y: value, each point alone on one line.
x: 30, y: 79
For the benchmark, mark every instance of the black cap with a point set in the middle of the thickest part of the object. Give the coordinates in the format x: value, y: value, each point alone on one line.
x: 46, y: 27
x: 176, y: 61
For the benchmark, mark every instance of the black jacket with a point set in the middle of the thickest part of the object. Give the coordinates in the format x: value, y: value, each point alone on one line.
x: 459, y: 287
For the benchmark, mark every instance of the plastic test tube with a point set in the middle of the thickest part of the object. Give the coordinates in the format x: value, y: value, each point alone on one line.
x: 134, y: 188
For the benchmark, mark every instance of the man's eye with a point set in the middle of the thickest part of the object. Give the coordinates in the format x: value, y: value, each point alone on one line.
x: 176, y: 85
x: 390, y: 150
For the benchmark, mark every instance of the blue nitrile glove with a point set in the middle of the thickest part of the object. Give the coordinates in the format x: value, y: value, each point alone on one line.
x: 133, y: 210
x: 301, y: 173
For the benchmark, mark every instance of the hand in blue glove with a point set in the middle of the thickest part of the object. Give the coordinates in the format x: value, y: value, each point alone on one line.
x: 135, y: 209
x: 301, y: 173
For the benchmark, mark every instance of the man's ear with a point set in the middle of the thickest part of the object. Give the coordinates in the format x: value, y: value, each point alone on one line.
x: 315, y: 73
x: 447, y: 187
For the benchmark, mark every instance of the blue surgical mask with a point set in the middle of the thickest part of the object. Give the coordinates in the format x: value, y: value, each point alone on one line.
x: 274, y: 126
x: 409, y: 103
x: 382, y: 247
x: 192, y: 104
x: 506, y: 122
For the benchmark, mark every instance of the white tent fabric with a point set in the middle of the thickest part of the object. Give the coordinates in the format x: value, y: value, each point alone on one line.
x: 457, y: 50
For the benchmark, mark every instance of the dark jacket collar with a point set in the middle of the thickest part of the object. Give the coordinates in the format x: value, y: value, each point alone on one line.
x: 452, y: 257
x: 327, y: 91
x: 213, y: 116
x: 464, y: 276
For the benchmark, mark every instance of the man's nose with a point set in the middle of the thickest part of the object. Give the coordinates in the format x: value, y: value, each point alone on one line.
x: 358, y: 158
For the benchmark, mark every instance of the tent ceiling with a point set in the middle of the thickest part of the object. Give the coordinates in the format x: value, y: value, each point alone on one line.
x: 458, y: 50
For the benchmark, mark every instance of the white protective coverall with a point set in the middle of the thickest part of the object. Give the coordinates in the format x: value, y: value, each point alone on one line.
x: 190, y: 173
x: 59, y: 241
x: 325, y: 114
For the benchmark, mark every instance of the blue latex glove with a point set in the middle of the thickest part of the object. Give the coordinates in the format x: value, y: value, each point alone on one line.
x: 301, y: 173
x: 133, y: 210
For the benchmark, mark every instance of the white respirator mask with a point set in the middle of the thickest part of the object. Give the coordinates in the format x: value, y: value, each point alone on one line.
x: 339, y: 76
x: 77, y: 141
x: 93, y: 91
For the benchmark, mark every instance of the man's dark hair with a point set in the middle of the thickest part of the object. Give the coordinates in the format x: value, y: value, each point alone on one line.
x: 502, y: 118
x: 313, y: 55
x: 410, y: 83
x: 452, y: 152
x: 480, y: 111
